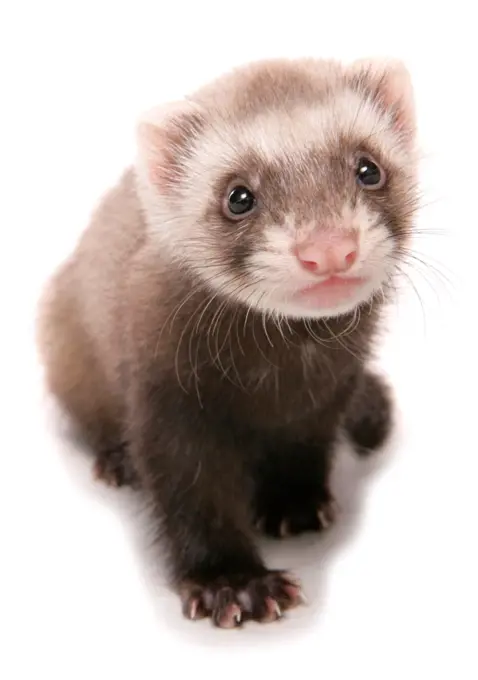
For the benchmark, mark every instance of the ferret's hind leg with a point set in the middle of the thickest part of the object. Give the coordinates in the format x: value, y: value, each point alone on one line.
x: 115, y: 468
x: 369, y: 419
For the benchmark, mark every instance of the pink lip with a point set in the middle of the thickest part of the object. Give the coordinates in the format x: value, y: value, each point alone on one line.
x: 330, y: 291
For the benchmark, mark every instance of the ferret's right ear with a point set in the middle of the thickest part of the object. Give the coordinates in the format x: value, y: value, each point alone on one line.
x: 165, y: 139
x: 390, y: 83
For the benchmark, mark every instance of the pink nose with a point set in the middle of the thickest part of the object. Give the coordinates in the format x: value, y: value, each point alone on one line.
x: 330, y: 253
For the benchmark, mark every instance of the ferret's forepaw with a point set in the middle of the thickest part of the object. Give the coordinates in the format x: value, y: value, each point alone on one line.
x: 232, y: 600
x: 303, y: 515
x: 114, y: 468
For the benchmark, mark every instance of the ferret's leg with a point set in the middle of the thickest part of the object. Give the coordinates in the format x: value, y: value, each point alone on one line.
x: 292, y: 489
x: 194, y: 474
x: 368, y: 421
x: 115, y: 467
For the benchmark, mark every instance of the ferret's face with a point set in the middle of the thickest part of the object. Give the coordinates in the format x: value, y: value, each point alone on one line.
x: 300, y: 208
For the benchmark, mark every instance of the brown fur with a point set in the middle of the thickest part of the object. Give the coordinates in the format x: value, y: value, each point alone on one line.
x: 223, y: 413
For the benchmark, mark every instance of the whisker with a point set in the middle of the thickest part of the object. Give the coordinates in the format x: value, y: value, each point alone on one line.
x: 176, y: 356
x: 214, y: 330
x: 340, y: 341
x: 264, y: 325
x: 444, y: 277
x: 400, y: 271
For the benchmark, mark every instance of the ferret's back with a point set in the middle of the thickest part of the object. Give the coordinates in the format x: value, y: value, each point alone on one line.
x: 80, y: 331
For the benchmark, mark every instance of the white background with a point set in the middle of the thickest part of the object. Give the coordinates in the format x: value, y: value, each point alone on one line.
x: 393, y: 588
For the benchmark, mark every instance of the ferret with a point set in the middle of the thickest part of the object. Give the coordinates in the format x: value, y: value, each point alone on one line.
x: 212, y: 332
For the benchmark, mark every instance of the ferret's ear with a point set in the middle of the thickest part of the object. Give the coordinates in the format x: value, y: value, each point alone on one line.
x: 388, y: 81
x: 165, y: 138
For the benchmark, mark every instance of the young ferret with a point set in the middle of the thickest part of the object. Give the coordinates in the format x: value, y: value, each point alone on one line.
x: 212, y: 332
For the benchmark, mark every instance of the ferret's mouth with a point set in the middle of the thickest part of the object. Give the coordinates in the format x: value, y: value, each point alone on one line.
x: 331, y: 291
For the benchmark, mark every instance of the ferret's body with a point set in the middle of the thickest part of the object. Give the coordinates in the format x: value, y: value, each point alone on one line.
x: 223, y: 407
x: 94, y: 301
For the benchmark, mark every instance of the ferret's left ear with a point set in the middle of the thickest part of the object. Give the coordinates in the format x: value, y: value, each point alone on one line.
x: 388, y: 81
x: 165, y: 139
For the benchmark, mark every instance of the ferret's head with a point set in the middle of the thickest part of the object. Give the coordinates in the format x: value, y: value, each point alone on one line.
x: 286, y: 186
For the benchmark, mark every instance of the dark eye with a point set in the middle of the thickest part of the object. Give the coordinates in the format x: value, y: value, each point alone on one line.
x: 240, y: 201
x: 369, y: 174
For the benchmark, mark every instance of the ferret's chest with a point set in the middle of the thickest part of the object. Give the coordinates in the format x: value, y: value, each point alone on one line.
x: 275, y: 389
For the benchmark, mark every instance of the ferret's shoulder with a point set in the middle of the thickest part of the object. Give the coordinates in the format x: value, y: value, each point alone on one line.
x: 115, y: 233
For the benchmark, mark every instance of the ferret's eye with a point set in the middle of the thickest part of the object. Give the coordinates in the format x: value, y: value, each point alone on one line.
x: 369, y: 174
x: 239, y: 202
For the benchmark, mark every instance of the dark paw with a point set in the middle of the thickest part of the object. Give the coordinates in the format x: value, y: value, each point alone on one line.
x: 292, y: 518
x: 115, y: 469
x: 369, y: 420
x: 232, y: 600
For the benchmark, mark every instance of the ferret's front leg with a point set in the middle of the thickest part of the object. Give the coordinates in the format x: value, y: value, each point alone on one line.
x: 194, y: 475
